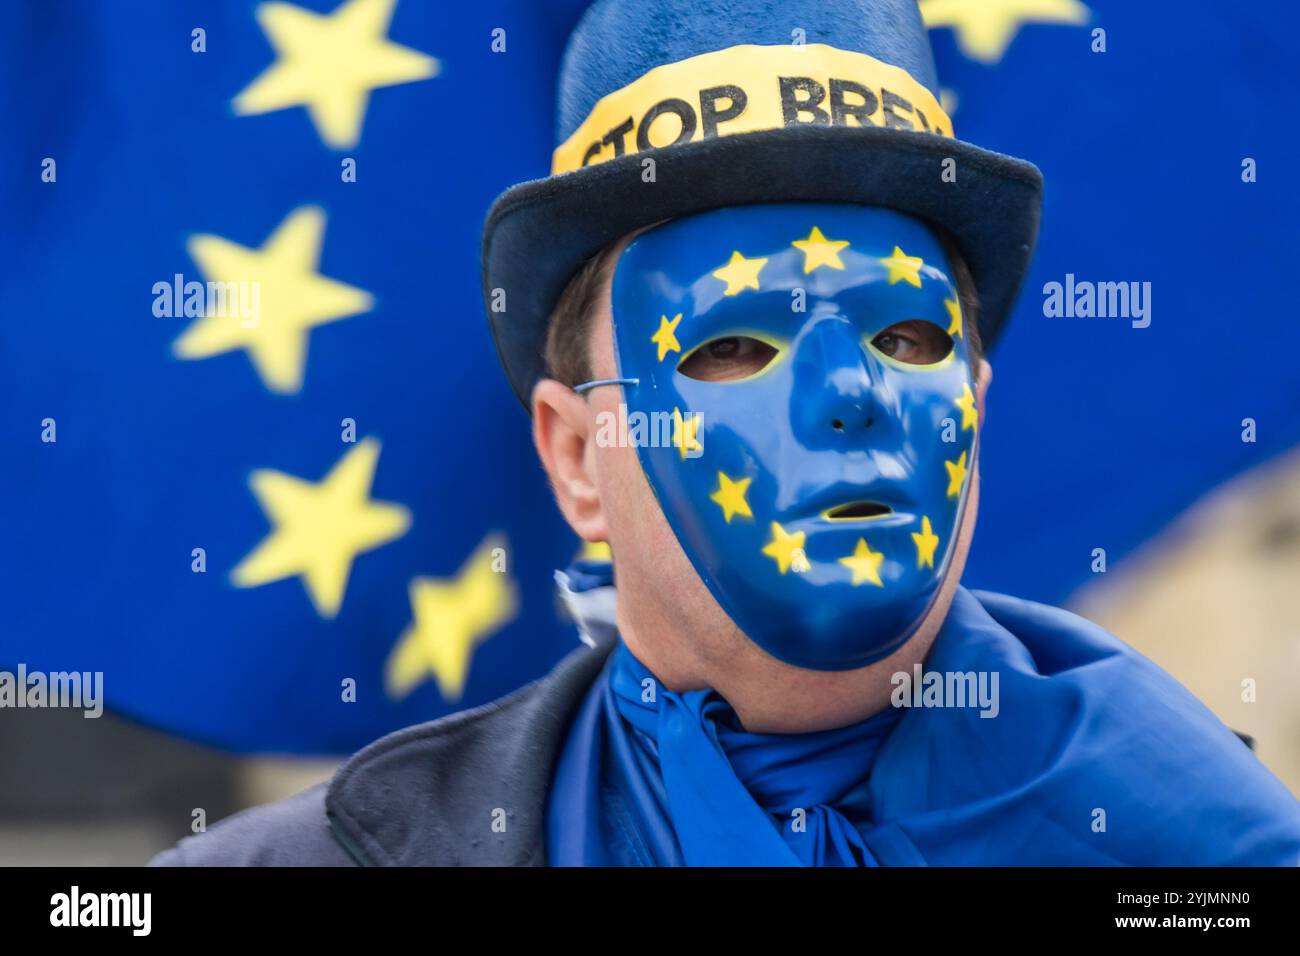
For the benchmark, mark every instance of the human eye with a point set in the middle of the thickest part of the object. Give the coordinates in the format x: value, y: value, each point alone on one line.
x: 914, y: 342
x: 728, y: 359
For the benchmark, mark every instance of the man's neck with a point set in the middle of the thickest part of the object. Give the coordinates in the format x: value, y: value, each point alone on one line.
x: 770, y: 696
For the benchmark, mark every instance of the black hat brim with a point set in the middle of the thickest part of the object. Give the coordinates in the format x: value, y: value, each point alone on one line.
x: 539, y: 233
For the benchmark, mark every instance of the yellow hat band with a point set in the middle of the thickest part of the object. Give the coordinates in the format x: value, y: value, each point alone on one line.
x: 747, y: 88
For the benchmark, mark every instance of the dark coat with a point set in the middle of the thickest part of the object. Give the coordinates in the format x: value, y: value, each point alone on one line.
x: 469, y: 789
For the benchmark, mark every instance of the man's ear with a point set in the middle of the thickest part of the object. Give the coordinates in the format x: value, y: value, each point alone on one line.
x: 982, y: 381
x: 566, y: 445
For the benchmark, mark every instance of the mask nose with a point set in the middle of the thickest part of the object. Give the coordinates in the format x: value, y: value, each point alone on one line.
x: 836, y: 403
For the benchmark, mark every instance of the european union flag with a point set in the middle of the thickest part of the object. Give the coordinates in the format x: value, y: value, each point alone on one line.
x: 262, y: 469
x: 1160, y: 135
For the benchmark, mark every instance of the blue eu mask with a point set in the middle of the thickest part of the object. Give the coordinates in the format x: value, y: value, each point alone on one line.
x: 799, y: 382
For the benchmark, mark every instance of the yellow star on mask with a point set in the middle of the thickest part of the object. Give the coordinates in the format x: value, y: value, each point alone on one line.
x: 985, y: 28
x: 925, y: 543
x: 730, y: 496
x: 666, y: 338
x: 783, y: 548
x: 969, y: 413
x: 450, y: 616
x: 819, y: 251
x: 956, y: 475
x: 330, y: 63
x: 685, y: 433
x: 319, y: 529
x: 291, y: 298
x: 904, y: 268
x: 954, y: 313
x: 865, y: 564
x: 740, y: 273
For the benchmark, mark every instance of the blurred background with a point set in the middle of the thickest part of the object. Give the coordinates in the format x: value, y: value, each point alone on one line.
x: 265, y: 539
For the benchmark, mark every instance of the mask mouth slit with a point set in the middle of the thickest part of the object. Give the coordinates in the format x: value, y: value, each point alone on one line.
x: 857, y: 511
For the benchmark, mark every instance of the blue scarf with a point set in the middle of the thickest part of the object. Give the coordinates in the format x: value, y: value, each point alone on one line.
x: 1095, y: 757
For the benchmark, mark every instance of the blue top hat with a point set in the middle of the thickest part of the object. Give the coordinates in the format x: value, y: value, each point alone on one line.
x: 737, y: 102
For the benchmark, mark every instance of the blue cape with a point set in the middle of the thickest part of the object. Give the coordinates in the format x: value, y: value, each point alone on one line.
x: 1095, y: 757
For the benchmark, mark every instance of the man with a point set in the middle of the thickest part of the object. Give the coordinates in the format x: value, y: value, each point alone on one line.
x: 748, y: 314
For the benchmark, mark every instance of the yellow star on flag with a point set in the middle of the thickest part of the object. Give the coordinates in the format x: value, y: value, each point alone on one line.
x: 954, y: 313
x: 969, y: 413
x: 783, y: 547
x: 985, y: 28
x: 948, y: 100
x: 819, y: 251
x: 956, y: 475
x: 925, y: 543
x: 904, y: 268
x: 685, y: 433
x: 449, y: 618
x: 330, y: 63
x: 739, y: 273
x: 666, y: 337
x: 320, y: 528
x: 865, y: 564
x: 291, y: 299
x: 730, y: 496
x: 595, y: 551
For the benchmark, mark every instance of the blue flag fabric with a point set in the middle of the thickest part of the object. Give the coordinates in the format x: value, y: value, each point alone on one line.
x: 1091, y: 756
x: 1099, y: 432
x: 320, y: 518
x: 349, y: 461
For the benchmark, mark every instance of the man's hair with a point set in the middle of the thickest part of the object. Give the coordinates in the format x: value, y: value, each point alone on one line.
x: 568, y: 337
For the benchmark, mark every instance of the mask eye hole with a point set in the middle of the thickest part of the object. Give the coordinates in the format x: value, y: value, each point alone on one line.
x: 914, y: 342
x: 728, y: 359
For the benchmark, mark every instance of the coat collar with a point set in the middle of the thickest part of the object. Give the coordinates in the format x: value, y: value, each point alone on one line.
x: 469, y: 789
